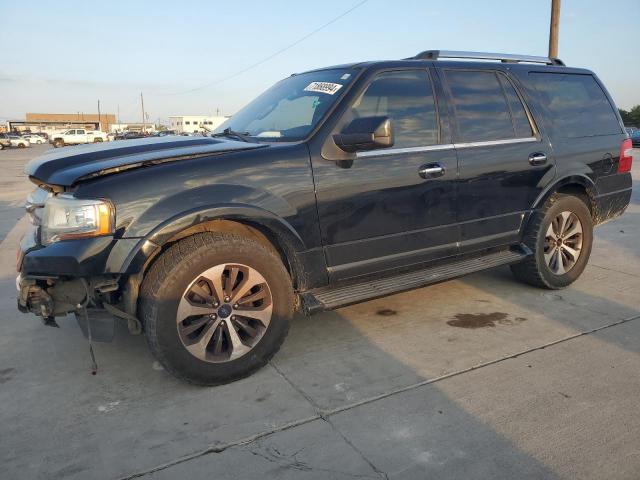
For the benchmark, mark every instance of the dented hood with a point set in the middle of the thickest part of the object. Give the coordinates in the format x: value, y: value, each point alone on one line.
x: 70, y: 165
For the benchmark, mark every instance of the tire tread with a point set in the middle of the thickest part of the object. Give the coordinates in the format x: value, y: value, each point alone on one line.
x: 177, y: 256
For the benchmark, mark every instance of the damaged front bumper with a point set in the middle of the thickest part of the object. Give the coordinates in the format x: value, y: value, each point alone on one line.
x: 50, y: 297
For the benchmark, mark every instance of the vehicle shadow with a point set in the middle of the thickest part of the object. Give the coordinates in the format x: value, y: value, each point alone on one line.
x: 137, y: 416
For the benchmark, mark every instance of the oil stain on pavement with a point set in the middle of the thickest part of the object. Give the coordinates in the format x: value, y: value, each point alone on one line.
x: 7, y: 374
x: 482, y: 320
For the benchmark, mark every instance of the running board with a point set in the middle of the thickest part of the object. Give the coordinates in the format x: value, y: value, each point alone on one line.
x: 328, y: 298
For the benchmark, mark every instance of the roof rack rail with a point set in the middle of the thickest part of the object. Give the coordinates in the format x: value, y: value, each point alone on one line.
x: 503, y: 57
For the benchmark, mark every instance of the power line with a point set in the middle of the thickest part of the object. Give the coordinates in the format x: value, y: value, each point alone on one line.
x: 275, y: 54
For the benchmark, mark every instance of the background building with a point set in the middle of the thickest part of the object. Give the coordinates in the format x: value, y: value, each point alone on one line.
x: 53, y: 122
x: 195, y: 123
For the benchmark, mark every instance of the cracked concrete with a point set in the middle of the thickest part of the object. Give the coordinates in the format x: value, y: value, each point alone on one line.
x: 392, y: 388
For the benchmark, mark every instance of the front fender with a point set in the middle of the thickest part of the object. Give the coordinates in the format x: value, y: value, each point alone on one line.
x: 145, y: 247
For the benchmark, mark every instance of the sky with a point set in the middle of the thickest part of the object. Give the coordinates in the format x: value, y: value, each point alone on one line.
x: 64, y: 56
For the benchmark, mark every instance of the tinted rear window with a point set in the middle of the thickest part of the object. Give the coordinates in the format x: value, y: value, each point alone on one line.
x: 521, y: 123
x: 481, y: 107
x: 575, y: 105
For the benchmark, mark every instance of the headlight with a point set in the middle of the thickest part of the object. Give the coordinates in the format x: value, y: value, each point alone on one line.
x: 66, y: 217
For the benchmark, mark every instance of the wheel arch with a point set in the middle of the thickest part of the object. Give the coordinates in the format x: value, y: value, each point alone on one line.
x: 579, y: 185
x: 266, y: 228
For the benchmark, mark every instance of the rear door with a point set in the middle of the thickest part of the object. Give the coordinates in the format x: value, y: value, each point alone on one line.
x: 503, y: 161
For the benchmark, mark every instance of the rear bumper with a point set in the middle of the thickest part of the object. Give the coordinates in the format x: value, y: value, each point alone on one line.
x: 611, y: 205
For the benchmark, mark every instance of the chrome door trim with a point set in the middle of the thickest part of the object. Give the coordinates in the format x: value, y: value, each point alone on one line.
x: 490, y: 143
x: 398, y: 151
x: 446, y: 146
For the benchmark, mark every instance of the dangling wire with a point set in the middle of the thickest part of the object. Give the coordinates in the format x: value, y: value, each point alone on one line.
x: 83, y: 308
x: 94, y: 365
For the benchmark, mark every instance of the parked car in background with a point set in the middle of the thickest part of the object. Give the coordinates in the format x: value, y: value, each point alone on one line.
x: 333, y: 187
x: 43, y: 135
x: 37, y: 139
x: 77, y: 136
x: 163, y: 133
x: 129, y: 135
x: 18, y: 141
x: 4, y: 141
x: 635, y: 139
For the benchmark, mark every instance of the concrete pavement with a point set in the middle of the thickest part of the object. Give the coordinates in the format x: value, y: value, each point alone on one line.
x: 480, y: 377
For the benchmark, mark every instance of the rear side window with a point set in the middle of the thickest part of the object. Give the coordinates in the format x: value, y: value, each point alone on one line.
x: 575, y: 105
x: 521, y: 124
x: 406, y: 97
x: 481, y: 107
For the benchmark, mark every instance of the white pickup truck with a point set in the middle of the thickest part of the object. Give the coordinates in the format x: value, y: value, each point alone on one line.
x: 77, y: 136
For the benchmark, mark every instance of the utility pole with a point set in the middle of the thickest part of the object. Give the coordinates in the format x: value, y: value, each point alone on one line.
x: 144, y: 127
x: 99, y: 121
x: 554, y: 28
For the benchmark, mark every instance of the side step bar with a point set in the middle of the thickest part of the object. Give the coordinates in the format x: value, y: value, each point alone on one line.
x: 329, y: 298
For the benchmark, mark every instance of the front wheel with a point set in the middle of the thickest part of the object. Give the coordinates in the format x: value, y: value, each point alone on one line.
x: 58, y: 142
x: 560, y: 236
x: 97, y: 140
x: 216, y: 307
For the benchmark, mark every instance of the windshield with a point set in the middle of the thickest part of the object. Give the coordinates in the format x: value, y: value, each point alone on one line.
x: 290, y: 109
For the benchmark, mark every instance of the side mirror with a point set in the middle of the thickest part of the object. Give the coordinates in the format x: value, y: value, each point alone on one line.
x: 368, y: 133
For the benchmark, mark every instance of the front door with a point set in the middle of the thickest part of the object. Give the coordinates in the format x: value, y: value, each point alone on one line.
x: 392, y: 207
x: 504, y: 163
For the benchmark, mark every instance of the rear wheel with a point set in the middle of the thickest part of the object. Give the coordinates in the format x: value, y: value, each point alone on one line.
x: 21, y: 145
x: 97, y: 140
x: 560, y: 237
x: 216, y: 307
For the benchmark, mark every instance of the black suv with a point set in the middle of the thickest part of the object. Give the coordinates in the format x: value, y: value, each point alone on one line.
x: 335, y: 186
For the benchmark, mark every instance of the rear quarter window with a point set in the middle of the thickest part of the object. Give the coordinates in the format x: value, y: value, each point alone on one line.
x: 486, y: 106
x: 575, y: 105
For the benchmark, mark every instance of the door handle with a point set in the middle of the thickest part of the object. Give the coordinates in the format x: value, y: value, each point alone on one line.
x: 431, y: 170
x: 536, y: 159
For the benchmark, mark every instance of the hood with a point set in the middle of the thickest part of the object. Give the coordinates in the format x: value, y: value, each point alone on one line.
x: 69, y: 165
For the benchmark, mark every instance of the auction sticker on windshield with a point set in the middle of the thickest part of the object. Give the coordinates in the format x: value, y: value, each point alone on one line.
x: 323, y: 87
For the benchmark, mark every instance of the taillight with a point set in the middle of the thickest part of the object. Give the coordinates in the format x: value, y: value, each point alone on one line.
x: 624, y: 165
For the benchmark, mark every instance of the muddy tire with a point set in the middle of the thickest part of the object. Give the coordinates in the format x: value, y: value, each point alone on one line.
x: 58, y: 142
x: 560, y: 236
x: 216, y: 307
x: 97, y: 140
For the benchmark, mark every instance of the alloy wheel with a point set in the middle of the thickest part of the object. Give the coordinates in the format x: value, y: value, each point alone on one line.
x: 563, y: 243
x: 224, y: 312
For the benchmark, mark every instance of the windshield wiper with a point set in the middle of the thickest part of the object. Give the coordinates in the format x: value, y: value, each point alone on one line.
x: 227, y: 132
